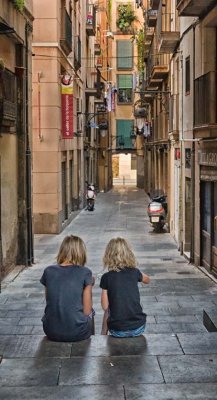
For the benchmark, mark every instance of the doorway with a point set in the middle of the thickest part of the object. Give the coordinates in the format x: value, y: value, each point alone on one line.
x: 209, y: 226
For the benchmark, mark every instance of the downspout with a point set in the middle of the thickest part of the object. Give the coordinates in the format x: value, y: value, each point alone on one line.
x: 181, y: 148
x: 1, y: 252
x: 30, y: 255
x: 193, y: 165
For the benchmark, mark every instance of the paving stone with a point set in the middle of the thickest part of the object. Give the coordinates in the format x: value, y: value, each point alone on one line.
x: 202, y: 343
x: 23, y: 346
x: 92, y: 392
x: 15, y: 330
x: 189, y: 368
x: 181, y: 327
x: 26, y: 313
x: 176, y: 318
x: 29, y: 372
x: 104, y: 370
x: 205, y: 391
x: 98, y: 346
x: 30, y: 321
x: 158, y: 328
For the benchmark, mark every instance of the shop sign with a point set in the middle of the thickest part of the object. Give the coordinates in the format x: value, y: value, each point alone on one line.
x: 207, y: 158
x: 67, y: 107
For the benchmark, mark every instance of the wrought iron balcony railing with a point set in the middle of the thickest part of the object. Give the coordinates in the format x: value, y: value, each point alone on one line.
x: 66, y: 32
x: 205, y: 99
x: 77, y: 54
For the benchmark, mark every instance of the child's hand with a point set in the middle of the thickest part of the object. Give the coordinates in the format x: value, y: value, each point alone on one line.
x: 145, y: 278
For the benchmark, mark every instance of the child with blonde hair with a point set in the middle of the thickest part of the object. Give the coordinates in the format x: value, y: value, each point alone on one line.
x: 68, y: 289
x: 120, y: 296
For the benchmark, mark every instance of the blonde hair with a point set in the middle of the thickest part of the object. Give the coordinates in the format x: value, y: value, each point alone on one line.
x: 118, y: 255
x: 72, y: 251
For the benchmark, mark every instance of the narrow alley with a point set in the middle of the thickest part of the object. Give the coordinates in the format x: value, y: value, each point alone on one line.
x: 175, y: 359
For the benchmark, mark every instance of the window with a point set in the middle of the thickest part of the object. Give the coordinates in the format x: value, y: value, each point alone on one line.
x: 125, y: 91
x: 123, y: 133
x: 187, y: 75
x: 124, y: 54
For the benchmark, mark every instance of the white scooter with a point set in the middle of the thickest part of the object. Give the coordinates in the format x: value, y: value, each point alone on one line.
x: 90, y: 197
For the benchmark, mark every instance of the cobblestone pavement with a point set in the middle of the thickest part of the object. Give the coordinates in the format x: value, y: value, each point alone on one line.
x: 176, y: 359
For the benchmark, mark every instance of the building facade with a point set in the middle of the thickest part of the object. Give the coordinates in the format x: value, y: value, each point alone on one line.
x: 16, y: 242
x: 181, y: 152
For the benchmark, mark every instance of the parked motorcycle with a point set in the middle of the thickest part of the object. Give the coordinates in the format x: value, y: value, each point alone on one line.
x: 90, y: 196
x: 157, y: 212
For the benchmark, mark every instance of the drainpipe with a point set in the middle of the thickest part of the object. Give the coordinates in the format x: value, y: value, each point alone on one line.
x: 193, y: 166
x: 181, y: 148
x: 1, y: 252
x: 30, y: 255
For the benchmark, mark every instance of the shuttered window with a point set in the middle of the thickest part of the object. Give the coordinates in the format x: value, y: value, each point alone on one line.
x: 123, y: 131
x: 124, y: 54
x: 125, y: 91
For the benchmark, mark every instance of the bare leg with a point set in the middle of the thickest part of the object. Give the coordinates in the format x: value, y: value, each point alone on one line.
x: 104, y: 330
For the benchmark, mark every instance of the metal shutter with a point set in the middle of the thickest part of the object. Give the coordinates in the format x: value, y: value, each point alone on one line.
x: 124, y: 128
x: 124, y: 54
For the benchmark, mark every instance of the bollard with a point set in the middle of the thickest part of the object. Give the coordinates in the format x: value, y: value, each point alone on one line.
x: 123, y: 180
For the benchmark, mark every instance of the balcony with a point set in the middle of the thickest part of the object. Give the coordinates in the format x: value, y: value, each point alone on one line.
x: 155, y: 4
x: 8, y: 106
x: 99, y: 62
x: 66, y: 32
x: 205, y: 102
x: 97, y: 49
x: 149, y: 33
x: 168, y: 39
x: 91, y: 20
x: 151, y: 18
x: 77, y: 53
x: 194, y: 8
x: 157, y: 67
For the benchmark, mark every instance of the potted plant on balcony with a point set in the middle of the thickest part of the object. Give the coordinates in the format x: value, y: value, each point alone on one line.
x: 126, y: 17
x: 19, y: 4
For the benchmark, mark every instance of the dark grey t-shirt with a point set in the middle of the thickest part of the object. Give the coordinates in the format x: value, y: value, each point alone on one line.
x: 64, y: 319
x: 125, y: 311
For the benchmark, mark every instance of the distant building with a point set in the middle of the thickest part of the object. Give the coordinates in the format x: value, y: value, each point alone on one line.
x: 16, y: 243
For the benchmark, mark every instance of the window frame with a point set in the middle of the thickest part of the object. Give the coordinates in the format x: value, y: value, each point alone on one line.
x: 119, y: 88
x: 187, y: 75
x: 119, y: 57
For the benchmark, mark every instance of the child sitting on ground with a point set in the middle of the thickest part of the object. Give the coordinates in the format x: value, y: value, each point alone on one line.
x: 120, y: 297
x: 68, y: 289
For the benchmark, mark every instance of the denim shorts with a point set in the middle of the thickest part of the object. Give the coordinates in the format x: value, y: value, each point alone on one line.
x: 131, y: 333
x: 91, y: 315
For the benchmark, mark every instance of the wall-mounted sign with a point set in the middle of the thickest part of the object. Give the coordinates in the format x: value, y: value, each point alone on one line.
x: 208, y: 158
x: 177, y: 154
x: 67, y: 107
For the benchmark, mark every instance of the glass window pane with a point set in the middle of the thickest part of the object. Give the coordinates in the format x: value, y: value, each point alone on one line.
x: 125, y: 81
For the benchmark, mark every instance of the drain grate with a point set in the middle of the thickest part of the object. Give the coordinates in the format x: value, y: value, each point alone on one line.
x: 166, y: 259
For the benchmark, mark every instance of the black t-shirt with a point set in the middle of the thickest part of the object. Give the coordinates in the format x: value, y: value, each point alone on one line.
x: 64, y: 319
x: 124, y: 299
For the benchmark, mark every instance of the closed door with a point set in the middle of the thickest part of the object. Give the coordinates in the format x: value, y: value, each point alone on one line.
x: 206, y: 223
x: 176, y: 201
x: 214, y: 246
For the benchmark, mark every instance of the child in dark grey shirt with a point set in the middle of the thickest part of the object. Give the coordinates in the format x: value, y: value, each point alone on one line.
x: 68, y: 287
